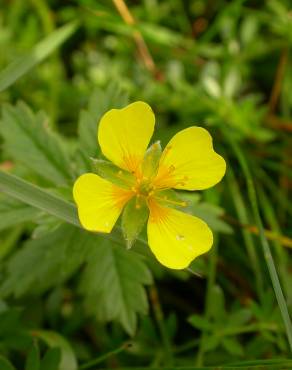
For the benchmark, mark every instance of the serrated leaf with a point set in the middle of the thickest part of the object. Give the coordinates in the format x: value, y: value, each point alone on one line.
x: 33, y: 358
x: 134, y: 217
x: 40, y: 51
x: 100, y: 102
x: 28, y: 140
x: 55, y: 340
x: 112, y: 284
x: 13, y: 212
x: 54, y: 257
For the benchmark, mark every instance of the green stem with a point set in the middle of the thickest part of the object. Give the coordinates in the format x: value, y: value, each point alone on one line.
x: 161, y: 324
x: 265, y: 245
x: 258, y: 327
x: 48, y: 24
x: 208, y: 302
x: 248, y: 239
x: 105, y: 356
x: 274, y: 225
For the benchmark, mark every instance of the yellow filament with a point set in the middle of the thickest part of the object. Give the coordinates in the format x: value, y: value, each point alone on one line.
x: 174, y: 202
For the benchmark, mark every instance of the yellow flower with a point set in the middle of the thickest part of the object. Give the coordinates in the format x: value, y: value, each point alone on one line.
x: 188, y: 162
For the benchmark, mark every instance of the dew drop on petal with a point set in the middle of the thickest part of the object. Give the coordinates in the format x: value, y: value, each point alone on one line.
x: 180, y: 237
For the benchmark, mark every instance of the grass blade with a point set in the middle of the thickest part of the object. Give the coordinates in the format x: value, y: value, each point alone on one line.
x: 37, y: 197
x: 21, y: 66
x: 265, y: 244
x: 52, y: 204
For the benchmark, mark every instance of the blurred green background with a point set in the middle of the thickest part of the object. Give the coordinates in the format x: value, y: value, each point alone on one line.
x: 68, y: 297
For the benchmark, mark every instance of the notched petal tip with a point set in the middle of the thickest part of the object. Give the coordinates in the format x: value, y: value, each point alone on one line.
x: 124, y: 134
x: 189, y: 161
x: 177, y: 238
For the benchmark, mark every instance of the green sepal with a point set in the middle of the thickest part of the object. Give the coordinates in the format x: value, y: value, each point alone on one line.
x: 112, y: 173
x: 170, y: 198
x: 151, y: 160
x: 134, y: 218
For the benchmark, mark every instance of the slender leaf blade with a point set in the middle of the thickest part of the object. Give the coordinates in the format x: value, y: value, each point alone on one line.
x: 44, y: 48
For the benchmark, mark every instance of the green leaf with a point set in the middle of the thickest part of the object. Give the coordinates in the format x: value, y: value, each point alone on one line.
x: 54, y: 257
x: 112, y: 284
x: 240, y: 317
x: 212, y: 87
x: 29, y: 140
x: 5, y: 364
x: 200, y: 322
x: 100, y: 102
x: 55, y: 340
x: 13, y: 212
x: 51, y: 360
x: 46, y: 224
x: 33, y: 358
x: 44, y: 48
x: 211, y: 343
x: 208, y: 212
x: 134, y: 218
x: 232, y: 346
x: 217, y: 311
x: 112, y: 173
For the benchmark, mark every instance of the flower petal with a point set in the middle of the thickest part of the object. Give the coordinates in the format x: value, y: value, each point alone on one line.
x: 99, y: 202
x: 189, y: 162
x: 124, y: 134
x: 176, y: 238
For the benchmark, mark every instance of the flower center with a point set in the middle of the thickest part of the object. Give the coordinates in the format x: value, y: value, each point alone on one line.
x: 143, y: 187
x: 146, y: 192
